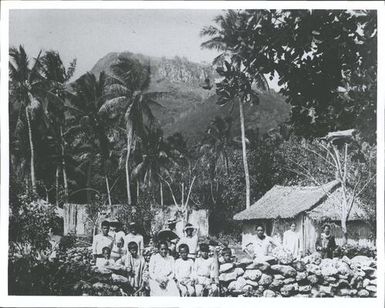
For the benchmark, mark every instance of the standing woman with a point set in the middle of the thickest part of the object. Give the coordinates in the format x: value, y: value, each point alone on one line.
x: 161, y: 271
x: 326, y: 243
x: 291, y: 241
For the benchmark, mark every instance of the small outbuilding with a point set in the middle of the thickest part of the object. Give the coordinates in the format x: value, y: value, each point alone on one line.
x: 309, y: 207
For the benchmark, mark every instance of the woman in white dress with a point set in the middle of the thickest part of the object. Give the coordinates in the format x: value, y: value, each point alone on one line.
x: 291, y: 241
x: 161, y: 272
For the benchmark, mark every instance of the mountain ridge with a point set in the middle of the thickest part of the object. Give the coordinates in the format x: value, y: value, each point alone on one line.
x: 188, y: 108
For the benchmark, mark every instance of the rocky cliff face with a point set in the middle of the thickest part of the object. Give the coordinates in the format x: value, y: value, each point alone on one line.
x: 189, y: 108
x: 177, y: 70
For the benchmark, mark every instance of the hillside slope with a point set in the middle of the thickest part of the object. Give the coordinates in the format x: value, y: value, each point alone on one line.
x: 188, y: 108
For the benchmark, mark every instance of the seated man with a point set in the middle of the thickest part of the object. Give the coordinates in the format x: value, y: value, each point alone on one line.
x: 206, y: 273
x: 184, y: 272
x: 134, y: 265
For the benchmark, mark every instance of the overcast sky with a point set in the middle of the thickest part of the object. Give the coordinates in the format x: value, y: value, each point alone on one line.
x: 88, y: 35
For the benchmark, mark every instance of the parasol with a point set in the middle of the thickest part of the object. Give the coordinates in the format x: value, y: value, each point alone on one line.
x: 166, y: 235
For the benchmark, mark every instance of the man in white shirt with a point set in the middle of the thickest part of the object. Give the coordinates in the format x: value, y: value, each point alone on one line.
x: 102, y: 240
x: 134, y: 236
x: 262, y: 245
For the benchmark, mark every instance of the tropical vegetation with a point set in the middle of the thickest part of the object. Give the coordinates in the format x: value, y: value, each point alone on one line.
x: 96, y: 139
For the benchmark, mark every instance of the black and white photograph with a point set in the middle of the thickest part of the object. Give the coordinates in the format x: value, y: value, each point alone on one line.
x: 193, y: 153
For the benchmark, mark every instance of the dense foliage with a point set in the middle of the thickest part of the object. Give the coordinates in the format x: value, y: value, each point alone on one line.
x: 30, y: 221
x: 325, y: 61
x: 96, y: 140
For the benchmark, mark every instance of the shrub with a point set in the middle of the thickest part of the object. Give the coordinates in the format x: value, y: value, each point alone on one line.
x: 352, y: 250
x: 30, y: 221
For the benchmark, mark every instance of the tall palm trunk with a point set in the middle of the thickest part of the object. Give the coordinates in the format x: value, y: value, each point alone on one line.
x: 245, y: 165
x: 161, y: 193
x: 88, y: 183
x: 33, y: 176
x: 108, y: 191
x: 65, y: 181
x: 57, y: 185
x: 129, y: 143
x: 137, y: 190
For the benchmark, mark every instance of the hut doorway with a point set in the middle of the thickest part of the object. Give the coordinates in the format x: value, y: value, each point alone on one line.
x: 269, y: 227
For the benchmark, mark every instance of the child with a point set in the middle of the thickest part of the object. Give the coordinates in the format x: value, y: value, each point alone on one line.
x: 101, y: 240
x: 161, y: 271
x: 184, y: 268
x: 227, y: 256
x: 106, y: 261
x: 191, y: 239
x: 134, y: 265
x: 206, y: 273
x: 133, y: 236
x: 146, y: 272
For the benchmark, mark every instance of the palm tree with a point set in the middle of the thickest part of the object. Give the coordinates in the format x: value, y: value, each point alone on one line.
x: 155, y: 156
x: 91, y: 124
x: 128, y: 94
x: 57, y: 77
x: 237, y: 83
x: 26, y: 89
x: 216, y: 141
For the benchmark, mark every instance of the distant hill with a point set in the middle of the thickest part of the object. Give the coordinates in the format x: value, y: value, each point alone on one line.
x: 189, y: 108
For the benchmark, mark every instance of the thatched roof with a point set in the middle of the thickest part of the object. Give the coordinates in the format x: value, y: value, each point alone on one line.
x: 287, y: 201
x: 330, y: 209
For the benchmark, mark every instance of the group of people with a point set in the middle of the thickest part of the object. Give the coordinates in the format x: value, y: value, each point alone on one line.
x: 175, y: 270
x: 262, y: 245
x: 181, y: 267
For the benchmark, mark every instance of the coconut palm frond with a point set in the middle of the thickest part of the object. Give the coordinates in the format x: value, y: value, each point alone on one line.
x: 114, y: 105
x: 209, y: 31
x: 115, y: 90
x: 214, y: 43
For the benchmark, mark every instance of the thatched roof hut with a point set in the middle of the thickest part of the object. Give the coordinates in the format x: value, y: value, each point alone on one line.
x: 286, y: 201
x: 309, y: 207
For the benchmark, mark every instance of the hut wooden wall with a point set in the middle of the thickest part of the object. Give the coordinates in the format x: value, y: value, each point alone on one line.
x: 310, y: 234
x: 359, y: 232
x: 76, y: 219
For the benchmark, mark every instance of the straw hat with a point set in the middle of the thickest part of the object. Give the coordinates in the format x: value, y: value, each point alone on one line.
x: 171, y: 221
x: 188, y: 226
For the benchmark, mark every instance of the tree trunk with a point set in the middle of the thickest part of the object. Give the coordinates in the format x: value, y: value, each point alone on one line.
x: 161, y: 193
x: 65, y: 181
x: 137, y: 190
x: 344, y: 216
x: 227, y: 164
x: 57, y: 185
x: 344, y: 230
x: 108, y: 191
x: 88, y: 193
x: 33, y: 176
x: 129, y: 142
x: 245, y: 165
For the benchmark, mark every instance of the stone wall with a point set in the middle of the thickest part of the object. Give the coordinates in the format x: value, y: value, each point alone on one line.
x: 309, y: 277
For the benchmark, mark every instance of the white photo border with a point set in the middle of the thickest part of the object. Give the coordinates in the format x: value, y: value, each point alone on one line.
x: 69, y: 301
